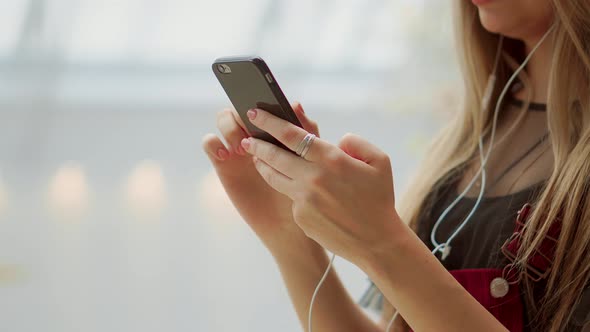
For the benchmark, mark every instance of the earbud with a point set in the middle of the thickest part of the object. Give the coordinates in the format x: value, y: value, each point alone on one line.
x: 445, y: 252
x: 445, y: 248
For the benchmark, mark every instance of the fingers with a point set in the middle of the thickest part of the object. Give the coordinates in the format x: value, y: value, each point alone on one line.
x: 308, y: 124
x: 239, y: 120
x: 274, y: 178
x: 214, y: 148
x: 287, y: 133
x: 231, y: 130
x: 361, y: 149
x: 286, y: 163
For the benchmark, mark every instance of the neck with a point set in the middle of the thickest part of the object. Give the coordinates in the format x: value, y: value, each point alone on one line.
x: 538, y: 69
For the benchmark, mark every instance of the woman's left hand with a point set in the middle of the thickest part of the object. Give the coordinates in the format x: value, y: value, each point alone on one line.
x: 343, y: 195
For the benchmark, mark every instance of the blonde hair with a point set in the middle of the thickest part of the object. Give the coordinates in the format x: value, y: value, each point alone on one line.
x: 565, y: 195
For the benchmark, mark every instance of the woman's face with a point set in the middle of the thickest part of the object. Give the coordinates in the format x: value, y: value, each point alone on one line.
x: 526, y: 20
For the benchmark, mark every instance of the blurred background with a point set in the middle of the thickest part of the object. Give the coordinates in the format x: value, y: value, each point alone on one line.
x: 111, y: 218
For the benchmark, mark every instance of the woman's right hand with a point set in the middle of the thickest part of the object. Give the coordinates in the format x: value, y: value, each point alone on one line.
x: 267, y: 212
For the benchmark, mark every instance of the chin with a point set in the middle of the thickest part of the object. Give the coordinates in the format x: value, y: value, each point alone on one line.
x: 500, y: 24
x: 517, y: 19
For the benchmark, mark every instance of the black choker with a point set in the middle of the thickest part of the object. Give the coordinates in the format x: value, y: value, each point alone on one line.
x: 539, y: 107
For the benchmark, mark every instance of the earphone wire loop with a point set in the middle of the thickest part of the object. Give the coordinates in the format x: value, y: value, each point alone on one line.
x: 492, y: 136
x: 482, y: 171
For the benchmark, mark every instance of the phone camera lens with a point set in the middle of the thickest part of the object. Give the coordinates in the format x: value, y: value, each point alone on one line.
x: 223, y: 68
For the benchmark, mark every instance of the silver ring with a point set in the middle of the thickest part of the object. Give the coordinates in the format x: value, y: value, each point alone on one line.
x: 301, y: 145
x: 308, y: 140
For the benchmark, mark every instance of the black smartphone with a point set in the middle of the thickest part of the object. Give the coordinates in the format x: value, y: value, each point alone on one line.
x: 249, y: 83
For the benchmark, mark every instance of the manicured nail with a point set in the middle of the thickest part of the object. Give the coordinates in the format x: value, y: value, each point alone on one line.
x: 240, y: 150
x: 246, y: 143
x: 300, y: 108
x: 222, y: 154
x: 251, y: 114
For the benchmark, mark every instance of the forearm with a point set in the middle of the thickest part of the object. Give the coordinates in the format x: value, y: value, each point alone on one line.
x: 302, y: 262
x: 425, y: 294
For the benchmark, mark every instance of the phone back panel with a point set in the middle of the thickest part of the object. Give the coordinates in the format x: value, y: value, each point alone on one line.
x: 247, y: 86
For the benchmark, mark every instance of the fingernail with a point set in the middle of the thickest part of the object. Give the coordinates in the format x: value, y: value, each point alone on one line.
x: 251, y: 114
x: 240, y: 150
x: 222, y: 154
x: 246, y: 143
x: 300, y: 108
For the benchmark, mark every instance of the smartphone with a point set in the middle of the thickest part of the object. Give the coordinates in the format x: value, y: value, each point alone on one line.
x: 249, y: 83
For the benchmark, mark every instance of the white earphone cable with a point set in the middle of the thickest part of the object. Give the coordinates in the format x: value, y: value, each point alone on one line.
x: 446, y: 246
x: 489, y: 89
x: 442, y: 245
x: 315, y: 292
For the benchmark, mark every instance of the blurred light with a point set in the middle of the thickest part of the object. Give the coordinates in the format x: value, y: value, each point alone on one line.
x: 177, y: 37
x: 11, y: 15
x: 159, y: 30
x: 10, y: 274
x: 3, y: 196
x: 68, y: 190
x: 386, y: 46
x: 214, y: 200
x: 91, y: 39
x: 145, y: 189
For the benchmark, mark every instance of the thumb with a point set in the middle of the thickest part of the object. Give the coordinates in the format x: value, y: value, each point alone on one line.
x: 308, y: 124
x: 361, y: 149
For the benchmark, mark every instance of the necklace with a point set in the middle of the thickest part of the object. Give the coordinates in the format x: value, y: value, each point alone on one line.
x: 514, y: 163
x: 527, y: 168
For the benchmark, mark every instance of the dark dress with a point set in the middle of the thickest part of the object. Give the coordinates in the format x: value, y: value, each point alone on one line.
x: 478, y: 245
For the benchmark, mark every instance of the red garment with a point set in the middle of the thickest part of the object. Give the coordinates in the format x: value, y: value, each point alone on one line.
x: 507, y: 306
x: 508, y: 309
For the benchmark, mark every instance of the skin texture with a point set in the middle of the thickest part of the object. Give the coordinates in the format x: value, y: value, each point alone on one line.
x: 301, y: 261
x: 326, y: 200
x: 525, y: 20
x: 539, y: 15
x: 243, y: 184
x: 355, y: 218
x: 342, y: 198
x: 518, y: 19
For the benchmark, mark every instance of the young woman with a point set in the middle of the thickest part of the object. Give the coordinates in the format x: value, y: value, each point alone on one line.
x: 500, y: 272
